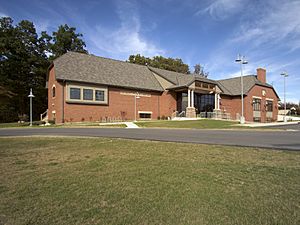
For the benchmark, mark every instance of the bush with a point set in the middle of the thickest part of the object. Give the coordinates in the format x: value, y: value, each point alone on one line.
x: 38, y: 123
x: 51, y: 121
x: 158, y: 118
x: 8, y: 114
x: 163, y: 117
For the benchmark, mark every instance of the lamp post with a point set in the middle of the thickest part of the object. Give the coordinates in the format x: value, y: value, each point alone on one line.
x: 284, y: 74
x: 136, y: 95
x: 241, y: 60
x: 30, y: 96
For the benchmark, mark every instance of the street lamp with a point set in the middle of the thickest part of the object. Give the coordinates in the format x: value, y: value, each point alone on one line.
x: 241, y: 60
x: 136, y: 95
x: 284, y: 74
x: 30, y: 96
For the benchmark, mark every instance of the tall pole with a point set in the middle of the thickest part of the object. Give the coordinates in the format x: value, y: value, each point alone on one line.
x: 136, y: 95
x: 284, y: 74
x: 30, y: 96
x: 284, y: 99
x: 241, y: 60
x: 30, y: 112
x: 242, y: 95
x: 135, y: 107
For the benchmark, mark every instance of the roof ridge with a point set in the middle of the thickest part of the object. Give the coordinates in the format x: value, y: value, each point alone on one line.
x: 106, y: 58
x: 237, y: 77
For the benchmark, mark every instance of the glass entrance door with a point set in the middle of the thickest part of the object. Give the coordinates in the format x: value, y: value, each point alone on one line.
x: 204, y: 102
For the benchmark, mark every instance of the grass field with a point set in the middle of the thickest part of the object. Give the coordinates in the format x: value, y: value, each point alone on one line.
x: 113, y: 181
x: 196, y: 124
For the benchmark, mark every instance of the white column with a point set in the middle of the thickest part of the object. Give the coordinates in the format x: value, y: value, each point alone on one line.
x: 218, y: 97
x: 189, y: 98
x: 192, y: 98
x: 216, y: 101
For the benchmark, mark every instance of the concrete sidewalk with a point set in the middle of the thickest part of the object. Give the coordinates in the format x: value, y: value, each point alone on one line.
x: 128, y: 124
x: 268, y: 124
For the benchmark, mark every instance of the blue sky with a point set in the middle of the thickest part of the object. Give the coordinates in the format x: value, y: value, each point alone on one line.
x: 209, y: 32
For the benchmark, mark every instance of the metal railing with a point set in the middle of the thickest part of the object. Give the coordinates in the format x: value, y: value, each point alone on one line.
x: 215, y: 115
x: 44, y: 115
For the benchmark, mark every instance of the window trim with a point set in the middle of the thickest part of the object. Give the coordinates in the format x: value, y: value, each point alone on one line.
x: 81, y: 100
x: 53, y: 88
x: 253, y: 108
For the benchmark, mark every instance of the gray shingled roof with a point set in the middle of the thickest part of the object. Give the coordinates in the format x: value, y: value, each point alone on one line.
x: 80, y: 67
x: 179, y: 79
x: 232, y: 86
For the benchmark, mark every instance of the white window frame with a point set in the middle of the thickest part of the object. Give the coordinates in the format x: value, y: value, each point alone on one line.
x: 83, y: 86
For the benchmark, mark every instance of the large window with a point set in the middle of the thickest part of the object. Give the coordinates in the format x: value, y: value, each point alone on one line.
x: 86, y: 94
x: 75, y: 93
x: 256, y: 104
x: 269, y: 106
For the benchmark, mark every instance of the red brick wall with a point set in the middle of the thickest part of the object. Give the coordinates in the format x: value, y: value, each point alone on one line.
x: 54, y: 103
x: 257, y: 91
x: 232, y: 105
x: 119, y: 105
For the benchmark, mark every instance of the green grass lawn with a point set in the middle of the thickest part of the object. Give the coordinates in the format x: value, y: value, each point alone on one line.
x: 196, y: 124
x: 113, y: 181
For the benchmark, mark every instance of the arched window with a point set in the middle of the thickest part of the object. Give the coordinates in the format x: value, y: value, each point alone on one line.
x: 53, y: 91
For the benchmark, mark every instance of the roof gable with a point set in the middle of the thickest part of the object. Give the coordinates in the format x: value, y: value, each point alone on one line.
x: 81, y: 67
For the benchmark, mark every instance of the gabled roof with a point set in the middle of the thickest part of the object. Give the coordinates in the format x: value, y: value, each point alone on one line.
x: 179, y: 79
x: 232, y: 86
x: 80, y: 67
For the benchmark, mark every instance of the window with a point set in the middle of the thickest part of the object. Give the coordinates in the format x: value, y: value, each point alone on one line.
x: 145, y: 115
x: 269, y: 106
x: 99, y: 95
x: 256, y: 104
x: 53, y: 91
x: 75, y: 93
x: 256, y: 119
x: 205, y: 85
x: 87, y: 94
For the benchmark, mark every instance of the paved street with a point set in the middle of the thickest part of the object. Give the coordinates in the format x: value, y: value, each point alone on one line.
x: 285, y: 140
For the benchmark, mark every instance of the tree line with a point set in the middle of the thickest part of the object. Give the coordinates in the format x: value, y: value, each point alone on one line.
x: 26, y: 55
x: 24, y: 59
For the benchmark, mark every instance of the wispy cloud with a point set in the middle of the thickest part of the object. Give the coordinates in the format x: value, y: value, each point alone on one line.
x: 127, y: 38
x: 221, y: 9
x: 277, y: 23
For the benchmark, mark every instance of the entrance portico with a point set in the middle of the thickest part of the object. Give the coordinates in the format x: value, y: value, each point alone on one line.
x: 198, y: 97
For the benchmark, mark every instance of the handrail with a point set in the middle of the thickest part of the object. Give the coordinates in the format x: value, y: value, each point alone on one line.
x: 44, y: 113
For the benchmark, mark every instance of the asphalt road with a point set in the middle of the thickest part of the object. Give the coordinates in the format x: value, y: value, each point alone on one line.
x: 285, y: 140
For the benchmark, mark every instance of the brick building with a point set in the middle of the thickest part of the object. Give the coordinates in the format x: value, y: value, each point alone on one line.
x: 83, y: 87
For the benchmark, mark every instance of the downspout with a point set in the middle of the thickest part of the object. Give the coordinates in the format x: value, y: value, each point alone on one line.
x: 158, y: 99
x: 63, y: 101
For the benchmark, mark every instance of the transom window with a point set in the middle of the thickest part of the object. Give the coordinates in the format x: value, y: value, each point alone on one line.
x: 256, y: 104
x: 86, y: 94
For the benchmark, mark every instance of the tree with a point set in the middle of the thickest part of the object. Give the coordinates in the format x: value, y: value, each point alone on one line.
x: 63, y: 40
x: 23, y: 66
x: 199, y: 70
x: 161, y: 62
x: 24, y: 59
